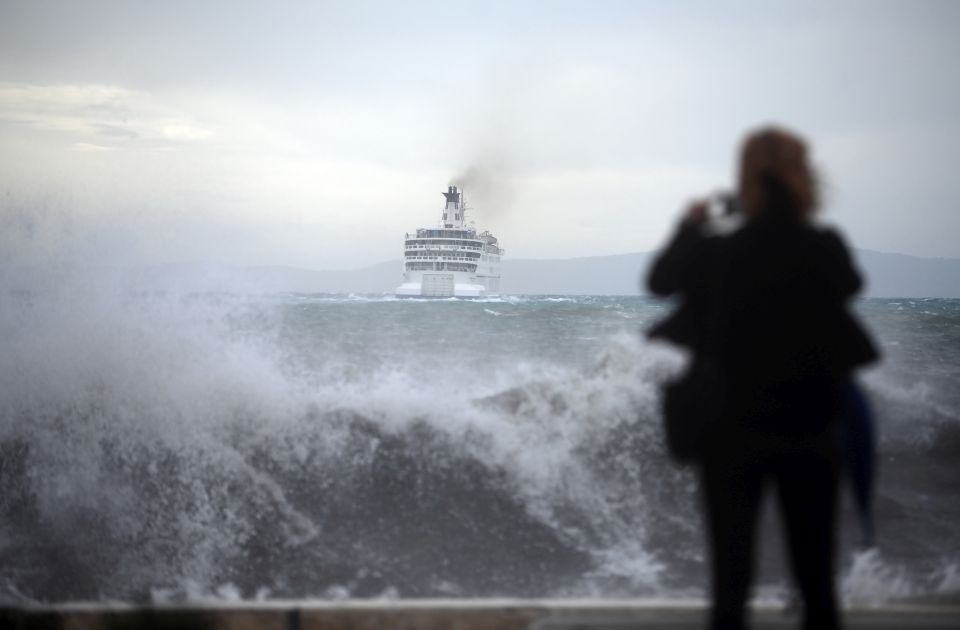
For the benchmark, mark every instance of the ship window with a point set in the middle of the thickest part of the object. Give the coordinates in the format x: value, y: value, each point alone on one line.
x: 444, y: 216
x: 420, y: 266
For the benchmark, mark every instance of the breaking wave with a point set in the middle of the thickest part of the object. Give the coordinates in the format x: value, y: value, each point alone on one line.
x: 163, y: 446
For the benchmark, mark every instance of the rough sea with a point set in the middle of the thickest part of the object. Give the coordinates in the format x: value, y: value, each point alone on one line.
x: 178, y: 447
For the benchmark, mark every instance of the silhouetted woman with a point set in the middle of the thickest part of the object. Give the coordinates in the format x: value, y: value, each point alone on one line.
x: 766, y: 308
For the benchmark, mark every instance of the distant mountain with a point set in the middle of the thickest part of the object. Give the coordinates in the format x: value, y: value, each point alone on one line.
x: 888, y: 275
x: 380, y: 278
x: 898, y: 275
x: 595, y: 275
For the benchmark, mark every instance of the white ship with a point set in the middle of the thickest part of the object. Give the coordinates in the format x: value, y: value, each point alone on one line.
x: 451, y: 260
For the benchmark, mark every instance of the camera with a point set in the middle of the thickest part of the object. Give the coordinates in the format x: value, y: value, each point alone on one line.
x: 723, y: 205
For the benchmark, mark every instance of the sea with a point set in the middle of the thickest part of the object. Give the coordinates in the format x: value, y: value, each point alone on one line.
x: 175, y: 447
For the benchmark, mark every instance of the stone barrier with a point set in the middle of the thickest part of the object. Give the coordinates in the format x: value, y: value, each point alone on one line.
x: 442, y: 615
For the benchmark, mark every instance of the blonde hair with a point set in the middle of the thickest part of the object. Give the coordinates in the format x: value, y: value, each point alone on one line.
x: 776, y: 177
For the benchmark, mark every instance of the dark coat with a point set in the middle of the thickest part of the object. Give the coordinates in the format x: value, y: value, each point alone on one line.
x: 767, y: 305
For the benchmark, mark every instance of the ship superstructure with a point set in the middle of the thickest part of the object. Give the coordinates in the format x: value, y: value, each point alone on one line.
x: 451, y: 260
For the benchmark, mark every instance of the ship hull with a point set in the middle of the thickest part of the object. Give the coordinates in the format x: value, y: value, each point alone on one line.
x: 447, y: 285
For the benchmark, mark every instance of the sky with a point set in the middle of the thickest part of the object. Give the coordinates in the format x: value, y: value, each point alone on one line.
x: 315, y: 134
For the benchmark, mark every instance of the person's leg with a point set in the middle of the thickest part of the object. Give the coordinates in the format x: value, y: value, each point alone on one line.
x: 807, y: 485
x: 731, y: 494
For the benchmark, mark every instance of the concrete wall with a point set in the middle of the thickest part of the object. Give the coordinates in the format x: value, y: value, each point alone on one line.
x: 441, y: 615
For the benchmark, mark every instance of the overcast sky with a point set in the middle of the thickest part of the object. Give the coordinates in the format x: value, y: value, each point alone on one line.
x: 315, y: 134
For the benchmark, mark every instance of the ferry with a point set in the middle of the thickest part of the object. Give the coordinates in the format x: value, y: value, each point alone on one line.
x: 451, y: 260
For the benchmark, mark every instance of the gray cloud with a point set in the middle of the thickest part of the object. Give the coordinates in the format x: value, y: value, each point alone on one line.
x: 356, y: 115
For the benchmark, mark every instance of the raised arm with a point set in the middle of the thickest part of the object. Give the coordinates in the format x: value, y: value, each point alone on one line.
x: 678, y: 267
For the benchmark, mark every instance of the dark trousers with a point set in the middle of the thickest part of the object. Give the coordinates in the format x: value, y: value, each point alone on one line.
x: 733, y: 482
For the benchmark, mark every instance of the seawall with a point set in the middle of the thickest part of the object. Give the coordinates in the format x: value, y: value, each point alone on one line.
x: 445, y: 615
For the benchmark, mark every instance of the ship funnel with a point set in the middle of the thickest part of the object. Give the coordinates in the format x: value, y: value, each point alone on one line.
x: 453, y: 211
x: 453, y: 196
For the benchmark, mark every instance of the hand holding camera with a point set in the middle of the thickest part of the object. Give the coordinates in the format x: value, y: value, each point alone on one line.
x: 717, y: 210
